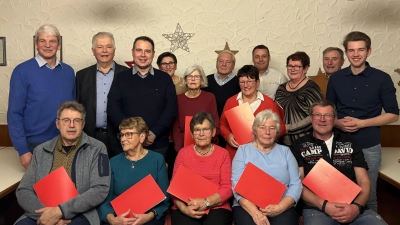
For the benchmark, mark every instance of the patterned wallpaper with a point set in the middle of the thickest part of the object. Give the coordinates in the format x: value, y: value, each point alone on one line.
x: 285, y: 26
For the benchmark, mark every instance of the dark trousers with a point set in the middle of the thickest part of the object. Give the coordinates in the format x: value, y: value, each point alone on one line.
x: 33, y: 145
x: 288, y: 217
x: 78, y: 220
x: 214, y: 217
x: 170, y: 160
x: 103, y: 137
x: 151, y: 222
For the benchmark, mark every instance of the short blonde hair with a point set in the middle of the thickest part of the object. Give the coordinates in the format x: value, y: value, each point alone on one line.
x: 137, y: 123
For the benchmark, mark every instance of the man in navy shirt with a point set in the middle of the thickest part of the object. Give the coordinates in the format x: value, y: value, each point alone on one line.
x: 146, y: 92
x: 359, y: 93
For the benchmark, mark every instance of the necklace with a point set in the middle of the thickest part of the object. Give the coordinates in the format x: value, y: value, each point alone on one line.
x: 203, y: 153
x: 297, y: 84
x: 133, y: 161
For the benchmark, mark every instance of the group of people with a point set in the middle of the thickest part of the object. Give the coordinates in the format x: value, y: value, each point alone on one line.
x: 137, y: 117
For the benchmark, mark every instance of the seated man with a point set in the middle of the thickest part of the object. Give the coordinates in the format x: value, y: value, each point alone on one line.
x: 86, y: 162
x: 350, y: 162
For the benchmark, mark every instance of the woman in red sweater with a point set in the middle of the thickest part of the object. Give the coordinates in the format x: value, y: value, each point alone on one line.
x: 249, y: 81
x: 211, y: 162
x: 194, y: 100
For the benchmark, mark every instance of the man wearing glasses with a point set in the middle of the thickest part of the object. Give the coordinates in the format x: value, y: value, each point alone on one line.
x: 143, y: 92
x: 343, y: 153
x: 86, y: 163
x: 37, y: 87
x: 93, y: 84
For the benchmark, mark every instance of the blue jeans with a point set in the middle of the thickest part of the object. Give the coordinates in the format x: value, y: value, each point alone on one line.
x: 316, y: 217
x: 373, y: 156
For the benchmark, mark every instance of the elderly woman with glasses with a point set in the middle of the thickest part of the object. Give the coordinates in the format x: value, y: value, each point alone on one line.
x: 194, y: 100
x: 131, y: 166
x: 296, y: 96
x: 167, y: 62
x: 249, y: 81
x: 211, y: 162
x: 277, y: 161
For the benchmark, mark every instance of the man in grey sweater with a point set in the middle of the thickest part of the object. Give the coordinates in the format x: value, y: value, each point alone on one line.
x: 85, y: 161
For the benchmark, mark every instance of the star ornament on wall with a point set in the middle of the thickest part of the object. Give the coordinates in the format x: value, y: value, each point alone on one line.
x: 227, y: 48
x: 179, y: 39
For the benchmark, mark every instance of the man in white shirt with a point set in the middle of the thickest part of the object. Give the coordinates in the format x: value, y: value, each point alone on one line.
x: 270, y: 79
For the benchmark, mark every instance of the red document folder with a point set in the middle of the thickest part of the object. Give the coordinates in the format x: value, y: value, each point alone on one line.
x: 187, y: 183
x: 259, y: 187
x: 324, y: 180
x: 55, y: 188
x: 188, y: 139
x: 139, y: 198
x: 240, y: 119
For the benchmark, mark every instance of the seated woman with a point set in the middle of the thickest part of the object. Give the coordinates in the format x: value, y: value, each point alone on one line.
x: 249, y: 81
x: 211, y: 162
x: 274, y: 159
x: 131, y: 166
x: 194, y: 100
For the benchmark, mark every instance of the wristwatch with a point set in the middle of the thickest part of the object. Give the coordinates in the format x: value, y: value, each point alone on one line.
x: 207, y: 203
x: 360, y: 207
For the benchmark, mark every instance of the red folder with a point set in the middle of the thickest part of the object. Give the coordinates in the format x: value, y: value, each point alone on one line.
x: 188, y: 139
x: 324, y: 180
x: 187, y: 183
x: 240, y: 119
x: 55, y: 188
x: 259, y: 187
x: 139, y: 198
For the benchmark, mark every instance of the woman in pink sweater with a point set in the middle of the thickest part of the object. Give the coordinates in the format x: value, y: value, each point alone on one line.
x: 211, y: 162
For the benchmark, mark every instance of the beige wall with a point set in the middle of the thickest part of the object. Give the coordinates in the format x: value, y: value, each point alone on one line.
x: 285, y: 26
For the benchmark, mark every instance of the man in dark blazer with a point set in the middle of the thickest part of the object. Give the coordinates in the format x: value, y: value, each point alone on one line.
x: 93, y: 84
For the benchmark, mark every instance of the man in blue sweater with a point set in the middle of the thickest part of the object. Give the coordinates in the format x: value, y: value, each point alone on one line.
x: 146, y: 92
x: 37, y: 87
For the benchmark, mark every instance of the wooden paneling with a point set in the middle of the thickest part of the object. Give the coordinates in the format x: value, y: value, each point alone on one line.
x: 390, y: 136
x: 4, y: 137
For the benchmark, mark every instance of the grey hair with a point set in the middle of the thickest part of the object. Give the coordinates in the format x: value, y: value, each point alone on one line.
x: 102, y: 35
x: 48, y: 29
x: 264, y: 116
x: 73, y: 105
x: 229, y: 52
x: 191, y: 69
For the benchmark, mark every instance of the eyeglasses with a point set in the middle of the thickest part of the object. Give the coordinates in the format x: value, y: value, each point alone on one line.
x: 326, y: 116
x: 250, y: 82
x: 128, y: 135
x: 190, y: 77
x: 296, y: 68
x: 165, y: 64
x: 204, y: 130
x: 67, y: 121
x: 263, y: 128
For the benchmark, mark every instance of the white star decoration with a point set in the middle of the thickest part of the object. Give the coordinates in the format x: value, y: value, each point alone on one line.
x: 179, y: 39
